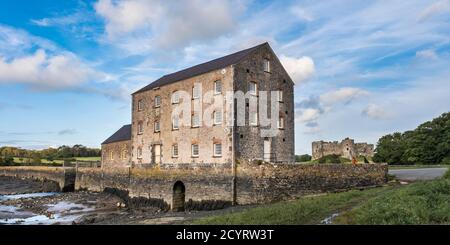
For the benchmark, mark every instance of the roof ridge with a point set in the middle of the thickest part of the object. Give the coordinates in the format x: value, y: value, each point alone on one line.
x: 201, y: 68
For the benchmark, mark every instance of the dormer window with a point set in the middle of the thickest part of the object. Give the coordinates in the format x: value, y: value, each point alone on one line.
x: 266, y: 65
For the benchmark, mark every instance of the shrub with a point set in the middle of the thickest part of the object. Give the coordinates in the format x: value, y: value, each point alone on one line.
x: 303, y: 158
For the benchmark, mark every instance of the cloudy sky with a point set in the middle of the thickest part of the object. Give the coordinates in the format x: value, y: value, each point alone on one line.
x: 362, y: 68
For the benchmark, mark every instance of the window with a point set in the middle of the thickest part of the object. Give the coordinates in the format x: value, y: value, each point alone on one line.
x: 281, y: 122
x: 124, y: 154
x: 157, y: 129
x: 195, y: 120
x: 140, y: 128
x: 175, y: 97
x: 175, y: 123
x: 194, y: 150
x: 157, y: 101
x: 111, y: 155
x: 252, y: 88
x: 217, y: 149
x: 140, y: 105
x: 217, y: 87
x: 218, y: 117
x: 266, y: 65
x: 280, y: 96
x: 139, y: 152
x: 175, y: 150
x: 253, y: 117
x: 196, y: 91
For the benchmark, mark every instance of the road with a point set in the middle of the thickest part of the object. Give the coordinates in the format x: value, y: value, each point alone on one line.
x: 418, y: 173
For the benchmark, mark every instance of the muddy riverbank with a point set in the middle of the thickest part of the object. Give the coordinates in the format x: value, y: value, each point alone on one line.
x: 29, y: 202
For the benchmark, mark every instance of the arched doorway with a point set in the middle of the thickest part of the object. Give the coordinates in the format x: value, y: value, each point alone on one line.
x: 178, y: 196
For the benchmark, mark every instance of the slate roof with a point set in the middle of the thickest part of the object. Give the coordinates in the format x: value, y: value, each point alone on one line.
x: 124, y: 133
x: 201, y: 68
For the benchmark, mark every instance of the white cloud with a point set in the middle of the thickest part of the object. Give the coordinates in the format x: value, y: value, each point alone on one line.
x: 302, y: 14
x: 308, y: 115
x: 427, y: 54
x: 49, y: 72
x: 374, y: 111
x: 434, y: 9
x: 300, y: 69
x: 166, y: 24
x: 344, y: 95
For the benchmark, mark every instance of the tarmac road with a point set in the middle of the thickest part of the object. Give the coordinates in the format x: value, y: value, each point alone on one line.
x: 418, y: 173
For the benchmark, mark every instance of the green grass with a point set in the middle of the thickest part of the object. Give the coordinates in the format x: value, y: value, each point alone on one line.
x: 308, y: 210
x: 419, y: 203
x: 88, y: 159
x: 44, y: 161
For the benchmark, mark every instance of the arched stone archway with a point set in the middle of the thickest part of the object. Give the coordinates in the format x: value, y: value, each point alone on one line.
x: 178, y: 197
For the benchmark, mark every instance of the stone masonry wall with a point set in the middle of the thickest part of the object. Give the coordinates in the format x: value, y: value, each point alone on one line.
x: 64, y: 176
x: 185, y: 136
x: 116, y: 154
x: 346, y: 148
x: 249, y: 142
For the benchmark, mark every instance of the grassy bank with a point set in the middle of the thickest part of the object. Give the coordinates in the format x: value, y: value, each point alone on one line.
x: 426, y: 202
x: 308, y: 210
x: 419, y: 203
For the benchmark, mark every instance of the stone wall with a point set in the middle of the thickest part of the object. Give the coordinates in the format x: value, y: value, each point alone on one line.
x: 205, y: 136
x: 116, y: 154
x: 64, y: 176
x: 212, y: 185
x: 262, y: 183
x: 249, y: 142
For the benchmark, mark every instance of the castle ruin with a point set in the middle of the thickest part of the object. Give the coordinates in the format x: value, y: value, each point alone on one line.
x: 346, y: 148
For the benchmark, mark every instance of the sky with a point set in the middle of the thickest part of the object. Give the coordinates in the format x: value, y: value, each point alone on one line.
x: 362, y: 69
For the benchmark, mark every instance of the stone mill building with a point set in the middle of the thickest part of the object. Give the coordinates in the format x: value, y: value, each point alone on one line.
x: 156, y: 137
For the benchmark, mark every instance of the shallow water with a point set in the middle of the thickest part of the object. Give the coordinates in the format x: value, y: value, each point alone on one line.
x: 28, y: 195
x: 62, y: 212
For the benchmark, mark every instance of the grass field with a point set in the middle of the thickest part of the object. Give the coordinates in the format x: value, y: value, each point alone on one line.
x: 426, y: 202
x: 45, y: 161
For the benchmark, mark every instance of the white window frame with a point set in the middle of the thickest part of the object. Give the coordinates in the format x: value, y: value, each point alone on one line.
x: 159, y: 126
x: 253, y: 118
x: 175, y: 97
x: 194, y: 123
x: 139, y: 153
x: 280, y: 96
x: 157, y: 101
x: 175, y: 146
x: 216, y: 122
x: 280, y: 122
x: 255, y: 91
x: 215, y: 145
x: 140, y: 105
x: 194, y: 89
x: 266, y: 65
x: 140, y: 127
x: 215, y: 87
x: 175, y: 126
x: 192, y: 150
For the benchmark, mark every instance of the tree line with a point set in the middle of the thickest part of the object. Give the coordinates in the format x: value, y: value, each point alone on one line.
x: 429, y: 143
x: 7, y: 153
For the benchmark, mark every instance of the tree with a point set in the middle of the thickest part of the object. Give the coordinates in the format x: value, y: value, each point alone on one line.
x: 303, y: 158
x: 429, y: 143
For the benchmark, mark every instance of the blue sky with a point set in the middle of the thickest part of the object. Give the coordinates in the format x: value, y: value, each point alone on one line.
x: 362, y: 68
